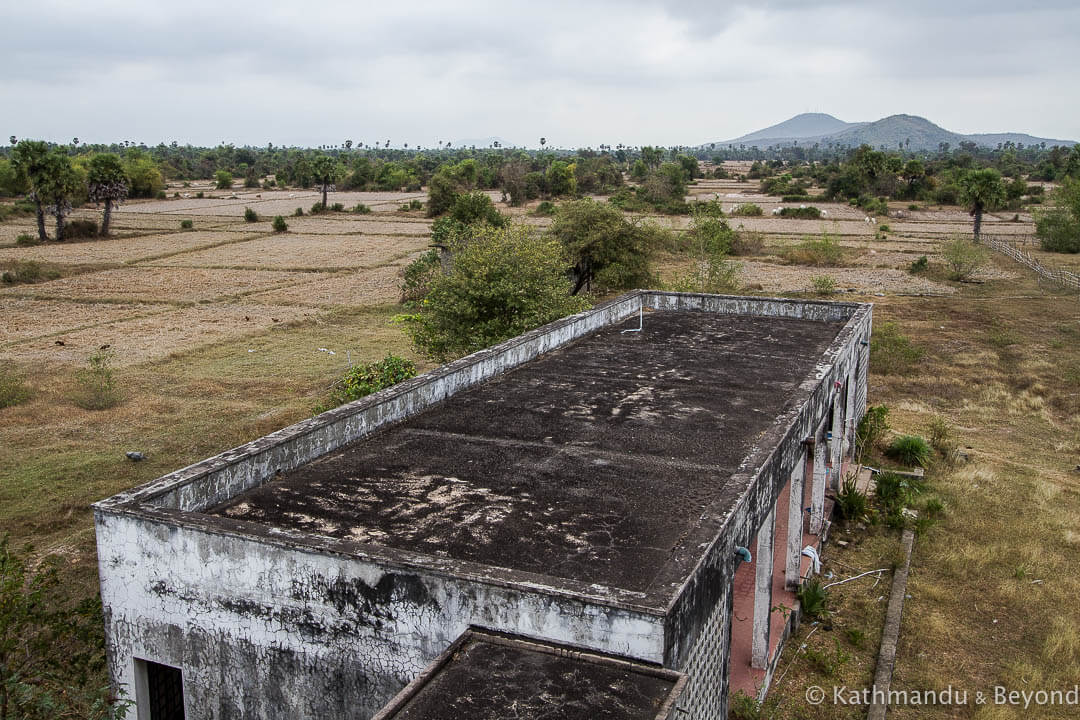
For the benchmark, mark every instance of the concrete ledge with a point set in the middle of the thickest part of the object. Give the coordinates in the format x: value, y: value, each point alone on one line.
x: 890, y: 634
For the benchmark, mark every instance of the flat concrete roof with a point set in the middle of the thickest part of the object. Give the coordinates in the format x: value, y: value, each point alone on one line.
x: 594, y: 462
x: 487, y: 676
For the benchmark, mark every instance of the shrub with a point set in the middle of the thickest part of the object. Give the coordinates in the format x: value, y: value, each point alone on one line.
x: 742, y: 706
x: 850, y: 501
x: 97, y: 387
x: 363, y: 380
x: 416, y: 205
x: 912, y: 206
x: 1058, y: 228
x: 200, y: 195
x: 223, y: 180
x: 337, y: 207
x: 250, y: 215
x: 418, y: 275
x: 747, y: 242
x: 187, y: 224
x: 12, y: 388
x: 795, y: 198
x: 317, y: 208
x: 546, y: 207
x: 891, y: 352
x: 822, y: 252
x: 824, y: 284
x: 872, y: 205
x: 27, y: 240
x: 503, y: 282
x: 872, y: 427
x: 360, y: 209
x: 918, y: 266
x: 963, y: 257
x: 940, y: 433
x: 279, y: 224
x: 909, y: 450
x: 806, y: 213
x: 251, y: 181
x: 78, y: 229
x: 895, y: 492
x: 884, y: 228
x: 299, y: 212
x: 746, y: 210
x: 813, y: 599
x: 160, y: 195
x: 28, y: 271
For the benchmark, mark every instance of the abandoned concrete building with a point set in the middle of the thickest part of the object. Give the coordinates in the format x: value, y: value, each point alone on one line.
x: 608, y: 507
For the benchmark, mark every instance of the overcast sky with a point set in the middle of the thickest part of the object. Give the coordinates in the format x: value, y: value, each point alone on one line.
x: 578, y: 73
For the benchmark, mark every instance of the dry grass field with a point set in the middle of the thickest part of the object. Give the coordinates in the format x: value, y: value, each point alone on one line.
x: 216, y: 337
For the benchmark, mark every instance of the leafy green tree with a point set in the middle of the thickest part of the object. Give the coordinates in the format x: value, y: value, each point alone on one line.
x: 107, y: 184
x: 10, y: 184
x: 560, y: 179
x: 652, y: 156
x: 325, y: 170
x: 144, y: 178
x: 29, y: 160
x: 503, y: 282
x: 664, y: 186
x: 477, y: 207
x: 1058, y: 226
x: 223, y: 180
x: 606, y: 250
x: 689, y: 165
x: 981, y: 190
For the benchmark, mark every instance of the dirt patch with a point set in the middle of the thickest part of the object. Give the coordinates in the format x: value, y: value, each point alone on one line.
x: 377, y: 286
x: 10, y: 230
x: 345, y: 224
x: 25, y: 319
x: 231, y: 203
x: 157, y: 284
x: 293, y: 251
x: 156, y: 336
x: 798, y: 278
x: 118, y: 250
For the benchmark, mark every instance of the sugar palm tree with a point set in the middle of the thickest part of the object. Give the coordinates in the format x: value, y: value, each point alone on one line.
x: 981, y: 190
x: 107, y: 184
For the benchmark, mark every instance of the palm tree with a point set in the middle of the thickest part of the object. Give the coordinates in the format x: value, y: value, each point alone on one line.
x: 981, y: 190
x: 107, y: 183
x: 324, y: 168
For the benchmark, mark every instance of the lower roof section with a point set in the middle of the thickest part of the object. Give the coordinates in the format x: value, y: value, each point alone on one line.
x: 487, y: 676
x: 593, y: 462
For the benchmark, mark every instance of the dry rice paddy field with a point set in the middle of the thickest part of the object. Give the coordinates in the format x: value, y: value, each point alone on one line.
x: 223, y: 333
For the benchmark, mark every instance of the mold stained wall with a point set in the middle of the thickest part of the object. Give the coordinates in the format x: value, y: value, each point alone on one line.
x: 263, y: 630
x: 699, y: 622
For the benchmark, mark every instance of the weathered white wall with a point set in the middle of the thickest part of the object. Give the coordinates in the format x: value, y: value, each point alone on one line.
x: 266, y: 631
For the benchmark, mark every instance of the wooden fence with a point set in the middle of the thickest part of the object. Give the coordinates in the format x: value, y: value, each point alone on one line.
x: 1007, y: 245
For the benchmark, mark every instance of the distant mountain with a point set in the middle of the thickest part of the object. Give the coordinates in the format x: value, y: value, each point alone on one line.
x: 916, y: 133
x: 801, y: 126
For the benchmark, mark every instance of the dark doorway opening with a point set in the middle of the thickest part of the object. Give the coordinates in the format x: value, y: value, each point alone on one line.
x: 164, y: 692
